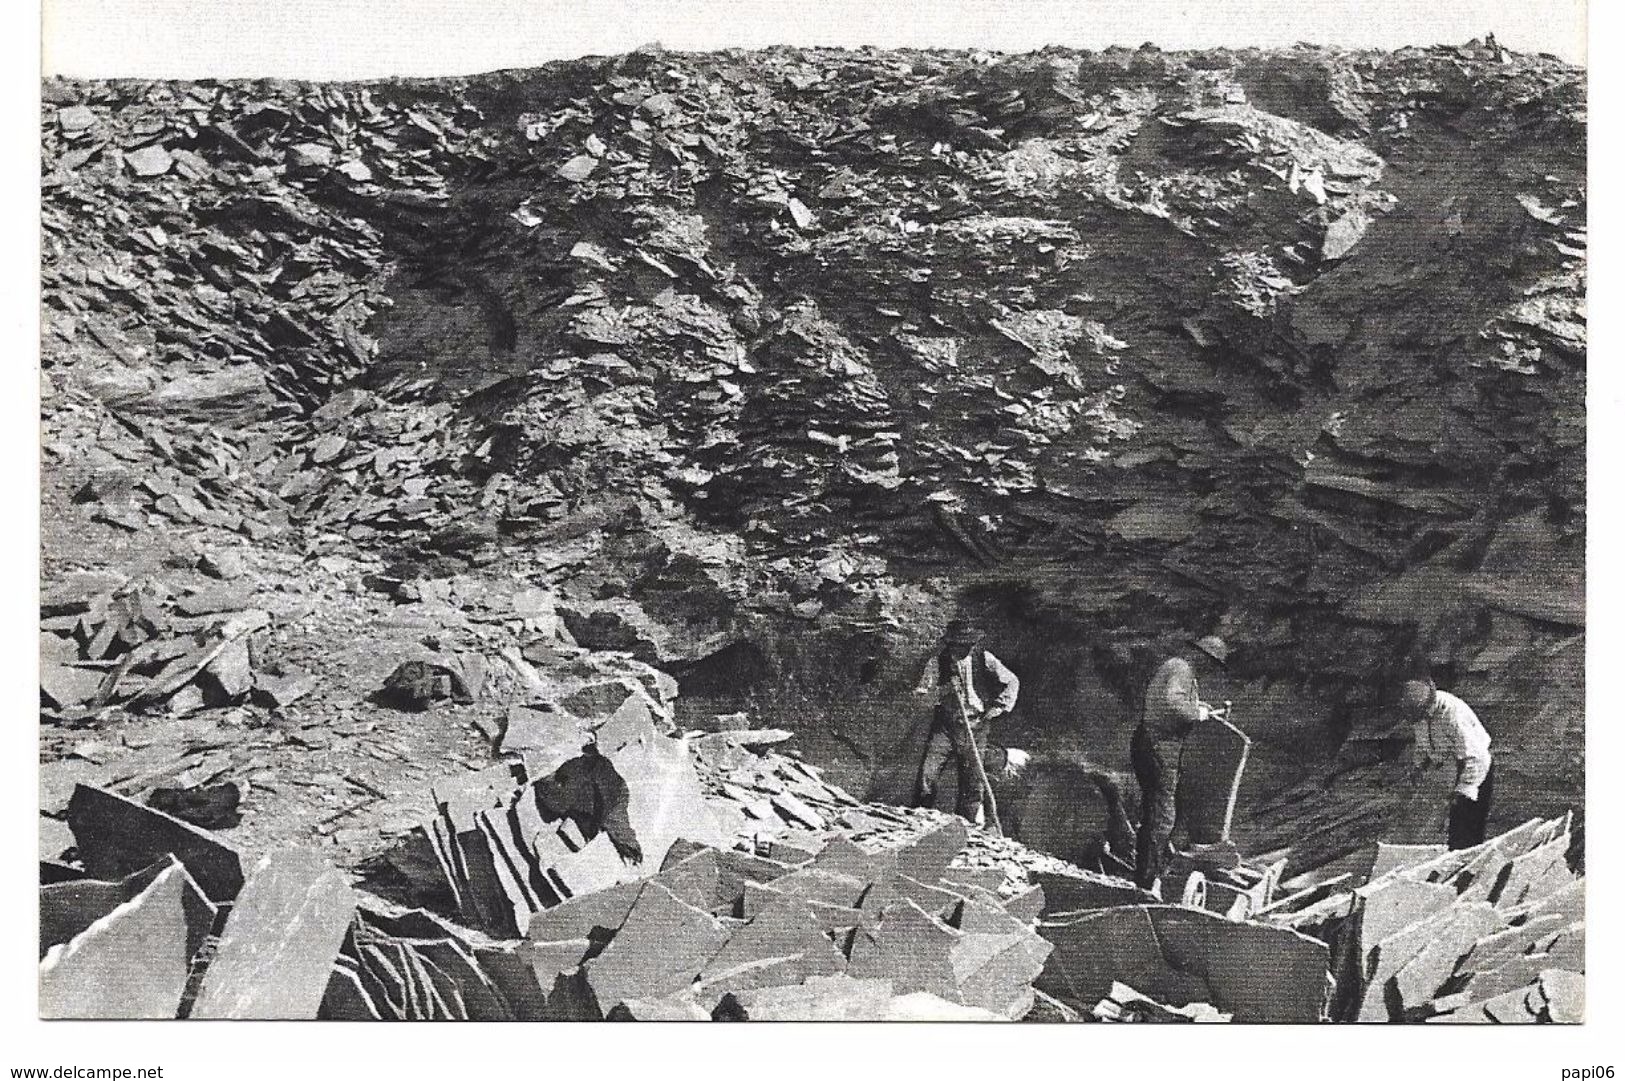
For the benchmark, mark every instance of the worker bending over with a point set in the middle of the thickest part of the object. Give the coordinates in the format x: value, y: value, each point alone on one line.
x: 1449, y: 735
x: 1173, y: 705
x: 966, y: 681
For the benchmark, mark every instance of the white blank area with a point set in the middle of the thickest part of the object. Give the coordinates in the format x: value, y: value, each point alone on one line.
x: 343, y: 39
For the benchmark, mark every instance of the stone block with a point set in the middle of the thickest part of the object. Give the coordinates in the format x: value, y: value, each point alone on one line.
x: 1535, y: 874
x: 1066, y: 893
x: 983, y: 878
x: 1255, y: 972
x: 1568, y: 900
x: 1496, y: 948
x: 1565, y: 995
x: 1387, y: 858
x: 683, y: 1006
x: 828, y: 887
x: 1095, y: 949
x: 923, y: 1006
x: 796, y: 847
x: 840, y: 997
x: 928, y: 856
x: 1027, y: 905
x: 276, y: 953
x: 132, y: 963
x: 910, y: 948
x: 1386, y: 907
x: 544, y: 738
x: 788, y: 933
x: 118, y: 837
x: 1419, y: 980
x: 1210, y: 768
x: 582, y: 917
x: 830, y: 918
x: 996, y: 971
x: 68, y: 908
x: 887, y: 892
x: 660, y: 949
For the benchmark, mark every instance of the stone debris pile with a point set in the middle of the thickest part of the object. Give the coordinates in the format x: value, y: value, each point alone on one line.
x: 220, y: 226
x: 1495, y: 932
x: 141, y: 647
x: 628, y: 883
x: 815, y: 927
x: 725, y: 934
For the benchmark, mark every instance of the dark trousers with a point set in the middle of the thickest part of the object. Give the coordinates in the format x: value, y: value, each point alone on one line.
x: 1468, y: 816
x: 968, y: 793
x: 1156, y: 768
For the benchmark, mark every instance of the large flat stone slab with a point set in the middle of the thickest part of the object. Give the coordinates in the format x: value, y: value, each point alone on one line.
x: 118, y: 837
x: 1422, y: 977
x: 1256, y: 972
x: 660, y: 949
x: 69, y: 908
x: 1094, y: 950
x: 841, y: 997
x: 1210, y: 768
x: 911, y: 948
x: 130, y: 964
x: 787, y: 932
x: 276, y: 954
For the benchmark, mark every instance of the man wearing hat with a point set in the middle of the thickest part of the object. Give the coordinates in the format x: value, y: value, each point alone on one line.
x: 964, y: 679
x: 1173, y: 705
x: 1450, y: 737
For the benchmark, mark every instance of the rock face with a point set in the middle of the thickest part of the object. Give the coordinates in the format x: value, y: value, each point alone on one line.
x: 1109, y: 348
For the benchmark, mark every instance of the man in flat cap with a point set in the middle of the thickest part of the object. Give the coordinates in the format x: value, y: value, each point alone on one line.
x: 971, y: 683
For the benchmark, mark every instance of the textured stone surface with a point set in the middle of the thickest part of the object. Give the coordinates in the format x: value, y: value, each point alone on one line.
x: 118, y: 837
x: 663, y: 945
x: 276, y: 952
x: 910, y: 948
x: 130, y: 963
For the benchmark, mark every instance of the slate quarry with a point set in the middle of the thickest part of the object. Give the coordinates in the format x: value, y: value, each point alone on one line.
x: 492, y: 525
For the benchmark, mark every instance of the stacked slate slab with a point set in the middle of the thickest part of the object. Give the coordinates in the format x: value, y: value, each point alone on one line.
x: 1494, y: 932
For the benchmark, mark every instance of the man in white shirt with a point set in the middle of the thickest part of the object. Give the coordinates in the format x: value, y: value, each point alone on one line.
x: 1449, y: 735
x: 964, y: 678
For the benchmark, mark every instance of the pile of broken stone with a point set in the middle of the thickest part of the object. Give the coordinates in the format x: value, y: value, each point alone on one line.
x: 616, y: 867
x: 1491, y: 933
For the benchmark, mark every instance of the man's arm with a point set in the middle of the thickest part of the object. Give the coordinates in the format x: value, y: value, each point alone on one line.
x: 1472, y: 759
x: 928, y: 680
x: 1181, y: 697
x: 1009, y: 687
x: 1419, y: 745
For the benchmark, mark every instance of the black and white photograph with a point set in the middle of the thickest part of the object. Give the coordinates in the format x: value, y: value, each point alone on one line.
x: 1049, y: 513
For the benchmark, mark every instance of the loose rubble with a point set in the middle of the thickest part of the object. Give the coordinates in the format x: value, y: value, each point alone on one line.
x: 1495, y: 932
x: 408, y: 446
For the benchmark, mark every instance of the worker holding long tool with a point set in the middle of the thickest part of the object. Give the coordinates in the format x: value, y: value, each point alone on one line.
x: 972, y: 689
x: 1173, y: 706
